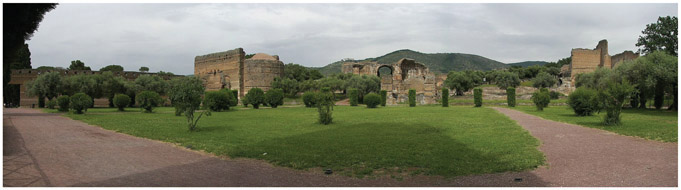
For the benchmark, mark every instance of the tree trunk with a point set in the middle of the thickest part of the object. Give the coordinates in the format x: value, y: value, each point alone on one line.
x: 674, y: 105
x: 642, y: 100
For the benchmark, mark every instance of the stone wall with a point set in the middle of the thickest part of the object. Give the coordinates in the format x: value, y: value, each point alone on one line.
x: 587, y: 60
x: 230, y: 69
x: 260, y: 71
x: 624, y: 56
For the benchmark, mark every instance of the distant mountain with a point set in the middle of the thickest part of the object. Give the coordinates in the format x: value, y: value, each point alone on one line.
x: 527, y: 63
x: 436, y: 62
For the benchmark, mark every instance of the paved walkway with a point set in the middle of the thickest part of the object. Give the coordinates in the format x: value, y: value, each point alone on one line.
x: 581, y: 156
x: 43, y: 149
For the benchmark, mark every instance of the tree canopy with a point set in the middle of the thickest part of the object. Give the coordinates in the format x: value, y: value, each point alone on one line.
x: 78, y: 65
x: 144, y: 69
x: 113, y: 68
x: 662, y: 35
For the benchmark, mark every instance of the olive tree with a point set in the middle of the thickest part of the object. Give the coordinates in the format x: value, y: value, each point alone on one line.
x: 185, y: 94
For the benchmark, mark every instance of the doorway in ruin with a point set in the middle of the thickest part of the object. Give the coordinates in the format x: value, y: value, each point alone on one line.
x: 385, y: 72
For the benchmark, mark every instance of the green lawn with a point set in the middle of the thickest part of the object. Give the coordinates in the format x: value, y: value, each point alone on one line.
x: 469, y: 101
x: 396, y: 141
x: 659, y: 125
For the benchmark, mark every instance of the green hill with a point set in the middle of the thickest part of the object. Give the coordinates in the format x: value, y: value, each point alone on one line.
x: 436, y: 62
x: 528, y: 63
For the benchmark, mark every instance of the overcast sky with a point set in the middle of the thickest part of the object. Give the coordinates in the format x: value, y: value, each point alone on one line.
x: 167, y: 37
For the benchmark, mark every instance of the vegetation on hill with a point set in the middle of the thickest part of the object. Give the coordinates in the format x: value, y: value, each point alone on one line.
x: 528, y: 63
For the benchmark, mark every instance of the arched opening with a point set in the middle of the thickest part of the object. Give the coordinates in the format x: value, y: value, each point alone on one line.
x: 385, y: 70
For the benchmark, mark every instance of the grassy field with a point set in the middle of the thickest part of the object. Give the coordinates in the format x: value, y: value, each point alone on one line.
x: 659, y: 125
x: 392, y: 141
x: 469, y: 101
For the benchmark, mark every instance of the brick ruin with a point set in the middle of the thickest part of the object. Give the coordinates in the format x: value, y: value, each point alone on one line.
x: 230, y: 69
x: 21, y: 76
x: 405, y: 74
x: 588, y: 60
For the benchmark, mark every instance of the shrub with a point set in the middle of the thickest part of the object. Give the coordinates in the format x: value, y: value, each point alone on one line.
x: 325, y: 105
x: 613, y: 91
x: 185, y: 93
x: 256, y: 97
x: 244, y: 101
x: 445, y: 97
x: 583, y: 101
x: 372, y: 100
x: 554, y: 95
x: 310, y: 99
x: 544, y: 80
x: 274, y: 97
x: 51, y: 104
x: 384, y: 97
x: 41, y: 101
x: 412, y: 97
x: 148, y: 100
x: 354, y: 96
x: 541, y: 99
x: 477, y: 96
x: 235, y: 98
x: 63, y: 102
x: 121, y: 101
x: 217, y: 100
x: 80, y: 102
x: 510, y: 96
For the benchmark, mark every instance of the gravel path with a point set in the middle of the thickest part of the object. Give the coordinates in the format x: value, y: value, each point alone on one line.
x: 58, y: 151
x: 581, y: 156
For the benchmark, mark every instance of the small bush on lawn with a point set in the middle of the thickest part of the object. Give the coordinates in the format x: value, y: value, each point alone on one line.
x: 325, y: 105
x: 613, y: 91
x: 384, y: 97
x: 310, y: 99
x: 445, y: 97
x: 244, y: 101
x: 510, y: 96
x: 274, y: 97
x: 256, y: 97
x: 554, y: 95
x: 412, y: 98
x: 64, y: 102
x: 235, y: 98
x: 372, y: 100
x: 217, y: 100
x: 52, y: 103
x: 121, y: 101
x: 354, y: 96
x: 583, y: 101
x: 80, y: 102
x: 148, y: 100
x: 541, y: 99
x: 477, y: 96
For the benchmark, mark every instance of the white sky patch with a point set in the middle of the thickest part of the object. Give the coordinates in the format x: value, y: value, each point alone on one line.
x: 167, y: 37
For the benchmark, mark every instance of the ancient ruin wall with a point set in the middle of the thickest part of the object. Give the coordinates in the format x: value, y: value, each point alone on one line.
x: 584, y: 61
x: 624, y: 56
x: 221, y: 70
x: 260, y: 72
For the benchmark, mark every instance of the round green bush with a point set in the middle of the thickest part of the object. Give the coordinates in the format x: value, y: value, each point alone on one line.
x: 583, y: 101
x: 63, y: 102
x: 310, y: 99
x: 51, y: 104
x: 80, y: 102
x: 255, y: 97
x: 541, y: 99
x: 217, y: 100
x: 148, y: 100
x: 554, y: 95
x: 121, y: 101
x: 372, y: 100
x: 274, y: 97
x: 354, y: 96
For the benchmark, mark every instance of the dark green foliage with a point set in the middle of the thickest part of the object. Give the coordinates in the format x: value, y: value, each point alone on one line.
x: 612, y: 93
x: 510, y: 96
x: 80, y: 102
x: 477, y: 97
x: 412, y: 97
x: 662, y: 35
x: 554, y: 95
x: 505, y: 79
x: 217, y: 100
x: 384, y: 97
x: 310, y: 99
x: 445, y: 97
x: 148, y: 100
x: 291, y: 87
x: 301, y: 73
x: 372, y: 100
x: 244, y: 101
x: 144, y: 69
x: 354, y: 96
x: 185, y: 94
x: 113, y: 68
x: 462, y: 81
x: 64, y: 103
x: 121, y: 101
x: 78, y: 65
x: 255, y: 97
x: 541, y: 99
x: 364, y: 84
x: 274, y: 97
x: 544, y: 80
x: 52, y: 103
x: 41, y: 101
x: 583, y: 101
x: 151, y: 83
x: 46, y: 85
x: 235, y: 98
x: 325, y: 103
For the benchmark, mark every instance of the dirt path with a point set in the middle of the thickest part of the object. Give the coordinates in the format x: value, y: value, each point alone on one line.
x: 581, y: 156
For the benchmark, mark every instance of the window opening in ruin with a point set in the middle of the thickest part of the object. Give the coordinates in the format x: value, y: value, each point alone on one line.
x: 385, y: 70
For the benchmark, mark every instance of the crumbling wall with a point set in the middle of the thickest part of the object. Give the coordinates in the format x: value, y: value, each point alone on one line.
x: 220, y: 70
x: 624, y: 56
x: 584, y: 61
x: 260, y: 71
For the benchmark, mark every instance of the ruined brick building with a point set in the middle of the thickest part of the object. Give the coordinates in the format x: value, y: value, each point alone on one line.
x: 231, y: 70
x: 405, y: 74
x: 588, y: 60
